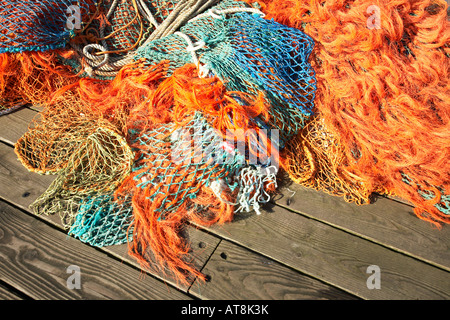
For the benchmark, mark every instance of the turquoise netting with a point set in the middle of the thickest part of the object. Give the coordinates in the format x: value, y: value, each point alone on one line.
x: 29, y: 25
x: 250, y: 54
x: 103, y: 221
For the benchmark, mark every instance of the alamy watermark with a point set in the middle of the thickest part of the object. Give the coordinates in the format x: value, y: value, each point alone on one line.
x: 374, y: 280
x: 255, y: 147
x: 74, y: 280
x: 74, y: 19
x: 374, y: 21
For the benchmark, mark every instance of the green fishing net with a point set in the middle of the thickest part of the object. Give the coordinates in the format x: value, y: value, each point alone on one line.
x: 250, y: 54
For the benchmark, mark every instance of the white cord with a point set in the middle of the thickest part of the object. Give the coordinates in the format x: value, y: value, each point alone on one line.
x: 217, y: 187
x: 147, y: 13
x: 192, y: 48
x: 219, y: 14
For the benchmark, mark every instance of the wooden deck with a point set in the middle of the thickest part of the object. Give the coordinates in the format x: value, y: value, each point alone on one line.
x: 304, y: 245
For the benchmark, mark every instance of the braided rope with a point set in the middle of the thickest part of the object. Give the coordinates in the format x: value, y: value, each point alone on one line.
x: 102, y: 63
x: 219, y: 14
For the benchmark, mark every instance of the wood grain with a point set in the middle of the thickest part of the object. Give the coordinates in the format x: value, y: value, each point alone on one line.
x: 7, y: 294
x: 236, y: 273
x: 334, y: 256
x: 320, y: 236
x: 35, y: 258
x: 14, y: 125
x: 385, y: 222
x: 25, y: 187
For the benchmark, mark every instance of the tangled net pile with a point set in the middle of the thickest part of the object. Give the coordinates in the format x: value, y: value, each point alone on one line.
x: 162, y: 113
x: 382, y: 100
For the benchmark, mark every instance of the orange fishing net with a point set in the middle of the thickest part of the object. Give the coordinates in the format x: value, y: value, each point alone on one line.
x: 175, y: 175
x: 146, y: 109
x: 383, y: 91
x: 31, y: 77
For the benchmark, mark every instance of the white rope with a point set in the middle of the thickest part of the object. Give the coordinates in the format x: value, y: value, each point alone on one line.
x: 252, y: 181
x: 108, y: 65
x: 220, y: 14
x: 216, y: 14
x: 88, y: 55
x: 217, y: 186
x: 147, y: 13
x: 192, y: 48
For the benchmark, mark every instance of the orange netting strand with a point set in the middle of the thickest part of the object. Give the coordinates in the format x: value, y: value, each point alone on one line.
x: 228, y: 112
x: 126, y: 98
x: 156, y: 226
x: 161, y: 190
x: 32, y: 77
x: 383, y: 92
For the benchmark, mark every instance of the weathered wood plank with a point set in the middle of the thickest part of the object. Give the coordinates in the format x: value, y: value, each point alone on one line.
x: 17, y: 183
x: 334, y: 256
x: 14, y: 125
x: 236, y: 273
x: 202, y: 244
x: 326, y: 254
x: 386, y: 222
x: 25, y: 187
x: 6, y: 294
x: 35, y: 258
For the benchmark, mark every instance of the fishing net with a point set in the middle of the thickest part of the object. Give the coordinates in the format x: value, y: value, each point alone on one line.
x: 250, y: 54
x: 383, y: 90
x: 28, y: 25
x: 99, y: 164
x: 160, y: 114
x: 30, y: 33
x: 31, y: 78
x: 102, y: 220
x: 109, y: 41
x: 315, y: 159
x: 85, y: 150
x: 174, y: 166
x: 105, y: 43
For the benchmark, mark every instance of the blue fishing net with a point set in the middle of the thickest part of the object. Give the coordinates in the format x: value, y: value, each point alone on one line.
x: 175, y: 162
x: 29, y: 25
x: 250, y: 54
x: 103, y: 221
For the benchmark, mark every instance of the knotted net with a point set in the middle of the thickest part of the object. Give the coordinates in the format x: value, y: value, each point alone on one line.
x: 176, y: 168
x: 250, y: 54
x: 141, y: 143
x: 29, y: 25
x: 383, y: 91
x: 87, y: 153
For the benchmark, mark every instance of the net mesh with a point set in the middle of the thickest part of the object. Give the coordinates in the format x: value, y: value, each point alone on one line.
x: 119, y: 27
x: 176, y: 162
x: 87, y: 152
x: 251, y: 55
x: 177, y: 168
x: 315, y: 159
x: 383, y: 91
x: 102, y: 220
x: 149, y: 138
x: 30, y: 77
x: 99, y: 164
x: 29, y: 25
